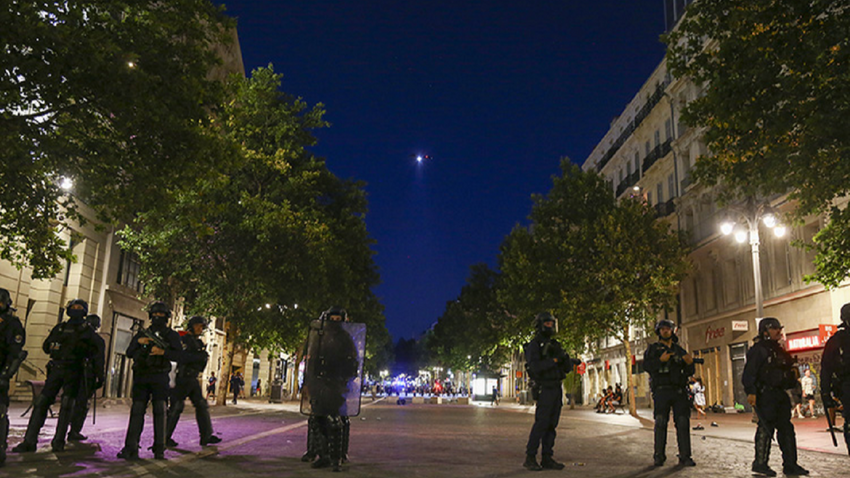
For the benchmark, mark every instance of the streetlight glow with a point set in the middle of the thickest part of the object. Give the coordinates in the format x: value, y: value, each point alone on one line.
x: 66, y: 183
x: 741, y: 236
x: 131, y: 64
x: 769, y: 220
x: 780, y: 231
x: 727, y: 227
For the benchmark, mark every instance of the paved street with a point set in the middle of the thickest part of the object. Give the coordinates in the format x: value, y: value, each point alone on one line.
x: 267, y: 440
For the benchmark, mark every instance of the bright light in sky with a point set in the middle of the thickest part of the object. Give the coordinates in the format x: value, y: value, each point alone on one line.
x: 419, y: 159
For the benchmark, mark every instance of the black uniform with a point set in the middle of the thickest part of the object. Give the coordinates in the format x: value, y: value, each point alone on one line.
x: 93, y: 377
x: 70, y: 344
x: 767, y: 375
x: 187, y: 386
x: 329, y: 373
x: 540, y: 356
x: 150, y: 383
x: 835, y: 375
x: 669, y: 384
x: 12, y: 340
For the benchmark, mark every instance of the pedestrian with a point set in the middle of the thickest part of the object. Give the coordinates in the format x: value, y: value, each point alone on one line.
x: 235, y: 386
x: 70, y: 344
x: 808, y: 384
x: 767, y: 375
x: 93, y: 378
x: 331, y: 366
x: 211, y: 385
x: 547, y: 366
x: 186, y: 385
x: 616, y: 398
x: 494, y: 400
x: 152, y: 350
x: 669, y: 366
x: 12, y: 355
x: 259, y: 386
x: 796, y: 395
x: 835, y: 372
x: 699, y: 397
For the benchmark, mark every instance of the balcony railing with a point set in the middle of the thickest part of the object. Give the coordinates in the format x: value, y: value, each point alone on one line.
x: 628, y: 182
x: 664, y: 209
x: 659, y: 152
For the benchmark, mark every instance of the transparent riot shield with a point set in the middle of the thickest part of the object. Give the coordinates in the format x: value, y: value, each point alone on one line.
x: 334, y: 368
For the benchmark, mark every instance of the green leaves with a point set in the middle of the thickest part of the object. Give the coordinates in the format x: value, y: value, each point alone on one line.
x: 776, y: 80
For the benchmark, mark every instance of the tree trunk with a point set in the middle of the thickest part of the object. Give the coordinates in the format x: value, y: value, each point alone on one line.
x: 227, y: 366
x: 630, y: 391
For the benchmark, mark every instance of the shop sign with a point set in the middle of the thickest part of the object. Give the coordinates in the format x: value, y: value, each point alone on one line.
x: 803, y: 343
x: 581, y: 368
x: 740, y: 326
x: 519, y: 374
x: 711, y: 334
x: 827, y: 331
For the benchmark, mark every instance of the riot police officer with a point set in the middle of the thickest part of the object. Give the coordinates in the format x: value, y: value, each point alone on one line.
x: 835, y: 374
x: 152, y: 351
x: 70, y: 344
x: 669, y: 366
x: 326, y: 384
x: 92, y: 381
x: 12, y: 354
x: 767, y: 375
x: 547, y: 366
x: 194, y: 362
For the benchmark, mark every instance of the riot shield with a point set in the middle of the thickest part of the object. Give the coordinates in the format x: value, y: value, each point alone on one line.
x: 334, y: 368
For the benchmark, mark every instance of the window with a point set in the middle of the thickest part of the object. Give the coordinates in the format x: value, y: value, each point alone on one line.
x: 648, y: 149
x: 668, y: 130
x: 628, y: 169
x: 621, y: 175
x: 649, y: 198
x: 657, y: 138
x: 671, y: 186
x: 637, y: 162
x: 659, y: 191
x: 128, y: 271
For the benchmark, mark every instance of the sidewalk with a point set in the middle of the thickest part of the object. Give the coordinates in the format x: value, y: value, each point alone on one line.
x: 811, y: 433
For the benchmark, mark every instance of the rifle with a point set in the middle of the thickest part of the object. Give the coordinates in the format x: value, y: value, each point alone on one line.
x: 157, y: 340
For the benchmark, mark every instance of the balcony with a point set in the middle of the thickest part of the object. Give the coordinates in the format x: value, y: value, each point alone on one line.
x: 627, y: 183
x: 664, y: 209
x: 659, y: 152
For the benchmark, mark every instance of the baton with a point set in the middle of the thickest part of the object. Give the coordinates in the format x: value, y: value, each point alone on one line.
x: 830, y: 425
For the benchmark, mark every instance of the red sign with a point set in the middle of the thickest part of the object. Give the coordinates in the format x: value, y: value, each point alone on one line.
x: 519, y: 374
x: 803, y: 343
x: 581, y: 368
x: 607, y: 365
x: 714, y: 333
x: 827, y: 331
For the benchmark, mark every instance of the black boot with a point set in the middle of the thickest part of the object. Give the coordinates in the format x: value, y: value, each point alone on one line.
x: 4, y: 432
x: 202, y: 416
x: 173, y: 416
x: 787, y: 439
x: 78, y: 419
x: 346, y: 430
x: 76, y: 436
x: 763, y: 469
x: 160, y: 424
x: 39, y: 414
x: 321, y: 444
x: 134, y: 431
x: 795, y: 470
x: 313, y: 432
x: 531, y: 463
x: 549, y: 463
x: 335, y: 442
x: 66, y: 411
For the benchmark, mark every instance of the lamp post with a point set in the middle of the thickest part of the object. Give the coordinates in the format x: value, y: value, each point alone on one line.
x: 750, y: 213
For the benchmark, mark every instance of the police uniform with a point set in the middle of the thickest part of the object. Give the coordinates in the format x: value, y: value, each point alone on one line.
x: 12, y: 340
x: 547, y: 365
x: 767, y: 375
x: 187, y: 386
x: 69, y: 345
x: 835, y: 372
x: 92, y: 380
x: 150, y: 383
x: 326, y: 383
x: 669, y: 384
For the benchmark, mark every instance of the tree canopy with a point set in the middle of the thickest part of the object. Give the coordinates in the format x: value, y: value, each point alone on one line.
x: 112, y: 95
x: 775, y: 76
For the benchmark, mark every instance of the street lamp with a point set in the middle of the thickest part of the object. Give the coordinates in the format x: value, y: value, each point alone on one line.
x: 750, y: 213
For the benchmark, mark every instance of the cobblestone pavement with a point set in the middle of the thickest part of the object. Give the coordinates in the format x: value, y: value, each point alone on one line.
x: 266, y: 440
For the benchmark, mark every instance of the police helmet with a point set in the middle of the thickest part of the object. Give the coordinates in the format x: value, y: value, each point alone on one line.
x: 93, y: 321
x: 79, y: 302
x: 845, y: 314
x: 335, y: 310
x: 5, y: 300
x: 158, y: 308
x: 664, y: 323
x: 196, y: 319
x: 542, y: 318
x: 768, y: 323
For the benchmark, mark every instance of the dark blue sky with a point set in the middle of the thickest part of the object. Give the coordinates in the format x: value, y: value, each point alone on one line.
x: 495, y: 91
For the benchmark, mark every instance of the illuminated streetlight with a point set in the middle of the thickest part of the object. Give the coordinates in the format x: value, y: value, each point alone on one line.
x: 131, y: 64
x: 66, y: 183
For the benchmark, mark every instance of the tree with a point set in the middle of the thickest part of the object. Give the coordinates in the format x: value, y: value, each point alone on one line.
x: 775, y: 85
x: 602, y: 267
x: 111, y: 94
x: 270, y: 241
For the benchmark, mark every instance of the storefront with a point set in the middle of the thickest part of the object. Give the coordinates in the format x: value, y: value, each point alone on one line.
x: 723, y: 345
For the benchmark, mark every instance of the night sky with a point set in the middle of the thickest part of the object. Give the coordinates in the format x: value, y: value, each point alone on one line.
x: 496, y: 92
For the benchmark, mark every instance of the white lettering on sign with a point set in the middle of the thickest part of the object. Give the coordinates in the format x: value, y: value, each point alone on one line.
x: 803, y: 343
x: 714, y: 333
x: 740, y: 326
